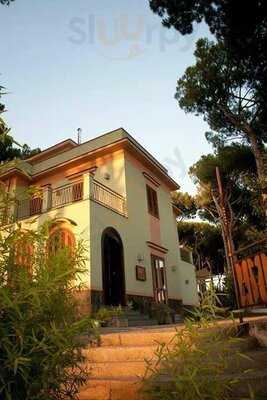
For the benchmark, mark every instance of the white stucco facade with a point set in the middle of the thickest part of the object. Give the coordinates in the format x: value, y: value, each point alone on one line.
x: 115, y: 168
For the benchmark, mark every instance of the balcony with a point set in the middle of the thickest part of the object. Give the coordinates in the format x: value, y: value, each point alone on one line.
x: 50, y: 199
x: 29, y: 207
x: 68, y: 194
x: 108, y: 198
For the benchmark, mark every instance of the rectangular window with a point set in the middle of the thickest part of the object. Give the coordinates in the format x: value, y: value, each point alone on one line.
x: 152, y: 201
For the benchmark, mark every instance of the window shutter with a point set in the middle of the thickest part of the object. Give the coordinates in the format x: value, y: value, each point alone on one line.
x: 152, y: 200
x: 149, y: 200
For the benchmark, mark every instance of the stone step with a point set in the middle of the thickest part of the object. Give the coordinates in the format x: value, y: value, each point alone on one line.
x: 136, y: 317
x: 117, y: 369
x: 117, y: 366
x: 109, y: 388
x: 142, y: 337
x: 251, y: 361
x: 119, y: 353
x: 178, y: 319
x: 131, y: 312
x: 142, y: 322
x: 257, y: 380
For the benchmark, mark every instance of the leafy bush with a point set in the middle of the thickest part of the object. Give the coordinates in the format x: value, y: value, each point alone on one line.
x: 162, y: 313
x: 228, y: 297
x: 193, y: 365
x: 40, y: 354
x: 106, y: 314
x: 139, y: 303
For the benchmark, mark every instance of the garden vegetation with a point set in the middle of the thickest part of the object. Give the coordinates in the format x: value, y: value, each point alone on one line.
x: 40, y: 325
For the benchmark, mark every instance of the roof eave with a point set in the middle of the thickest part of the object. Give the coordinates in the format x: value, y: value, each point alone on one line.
x: 14, y: 171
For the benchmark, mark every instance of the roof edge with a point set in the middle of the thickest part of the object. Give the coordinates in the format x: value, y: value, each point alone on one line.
x: 37, y: 156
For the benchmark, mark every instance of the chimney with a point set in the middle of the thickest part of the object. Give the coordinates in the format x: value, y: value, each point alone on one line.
x: 79, y: 135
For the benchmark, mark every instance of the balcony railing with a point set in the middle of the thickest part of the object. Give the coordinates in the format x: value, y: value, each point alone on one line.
x: 108, y: 198
x: 29, y: 207
x: 56, y: 198
x: 67, y: 194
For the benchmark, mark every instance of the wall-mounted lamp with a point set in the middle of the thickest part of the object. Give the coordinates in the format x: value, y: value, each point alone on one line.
x: 107, y: 176
x: 140, y: 258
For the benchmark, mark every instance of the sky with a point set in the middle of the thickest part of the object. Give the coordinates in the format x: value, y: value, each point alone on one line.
x: 99, y: 65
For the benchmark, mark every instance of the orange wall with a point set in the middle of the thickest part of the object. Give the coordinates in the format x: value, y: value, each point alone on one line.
x: 55, y: 178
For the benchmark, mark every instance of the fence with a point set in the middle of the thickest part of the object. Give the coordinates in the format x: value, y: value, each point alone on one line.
x: 251, y: 275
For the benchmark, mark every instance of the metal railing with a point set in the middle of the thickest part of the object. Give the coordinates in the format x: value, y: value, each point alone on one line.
x: 29, y: 207
x: 108, y: 198
x: 57, y: 198
x: 67, y: 194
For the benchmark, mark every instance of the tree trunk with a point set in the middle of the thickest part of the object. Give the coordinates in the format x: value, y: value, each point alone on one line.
x: 226, y: 250
x: 225, y: 213
x: 259, y: 157
x: 261, y: 167
x: 256, y: 148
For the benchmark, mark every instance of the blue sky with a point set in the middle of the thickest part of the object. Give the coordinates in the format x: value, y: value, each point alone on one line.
x: 99, y: 65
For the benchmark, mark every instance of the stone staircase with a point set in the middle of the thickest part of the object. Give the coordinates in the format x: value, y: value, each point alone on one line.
x: 117, y: 367
x: 135, y: 318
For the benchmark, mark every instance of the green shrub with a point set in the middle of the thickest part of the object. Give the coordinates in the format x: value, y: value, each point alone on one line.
x: 162, y: 313
x: 228, y: 297
x: 141, y: 304
x: 106, y: 314
x: 136, y: 304
x: 40, y: 356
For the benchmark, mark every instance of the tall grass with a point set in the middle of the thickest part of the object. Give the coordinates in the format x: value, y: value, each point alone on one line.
x: 40, y: 356
x: 193, y: 366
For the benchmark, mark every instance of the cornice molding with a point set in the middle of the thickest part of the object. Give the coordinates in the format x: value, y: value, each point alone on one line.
x: 157, y: 247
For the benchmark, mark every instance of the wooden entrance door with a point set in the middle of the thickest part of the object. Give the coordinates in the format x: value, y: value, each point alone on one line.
x: 159, y: 279
x: 113, y: 268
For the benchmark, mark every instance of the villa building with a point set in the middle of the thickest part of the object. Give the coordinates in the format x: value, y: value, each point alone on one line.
x: 116, y: 196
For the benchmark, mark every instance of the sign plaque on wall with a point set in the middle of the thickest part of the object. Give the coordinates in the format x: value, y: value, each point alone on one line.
x: 140, y: 273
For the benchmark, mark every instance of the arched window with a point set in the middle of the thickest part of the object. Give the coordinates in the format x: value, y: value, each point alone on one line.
x: 60, y: 237
x: 24, y: 252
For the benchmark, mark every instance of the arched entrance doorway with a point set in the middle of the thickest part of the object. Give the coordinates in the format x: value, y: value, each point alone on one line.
x: 113, y: 268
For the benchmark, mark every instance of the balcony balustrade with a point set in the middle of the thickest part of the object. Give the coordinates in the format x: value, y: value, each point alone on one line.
x: 108, y: 198
x: 29, y: 207
x: 54, y: 199
x: 68, y: 194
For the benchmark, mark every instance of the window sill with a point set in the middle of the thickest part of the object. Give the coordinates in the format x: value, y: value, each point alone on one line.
x: 153, y: 215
